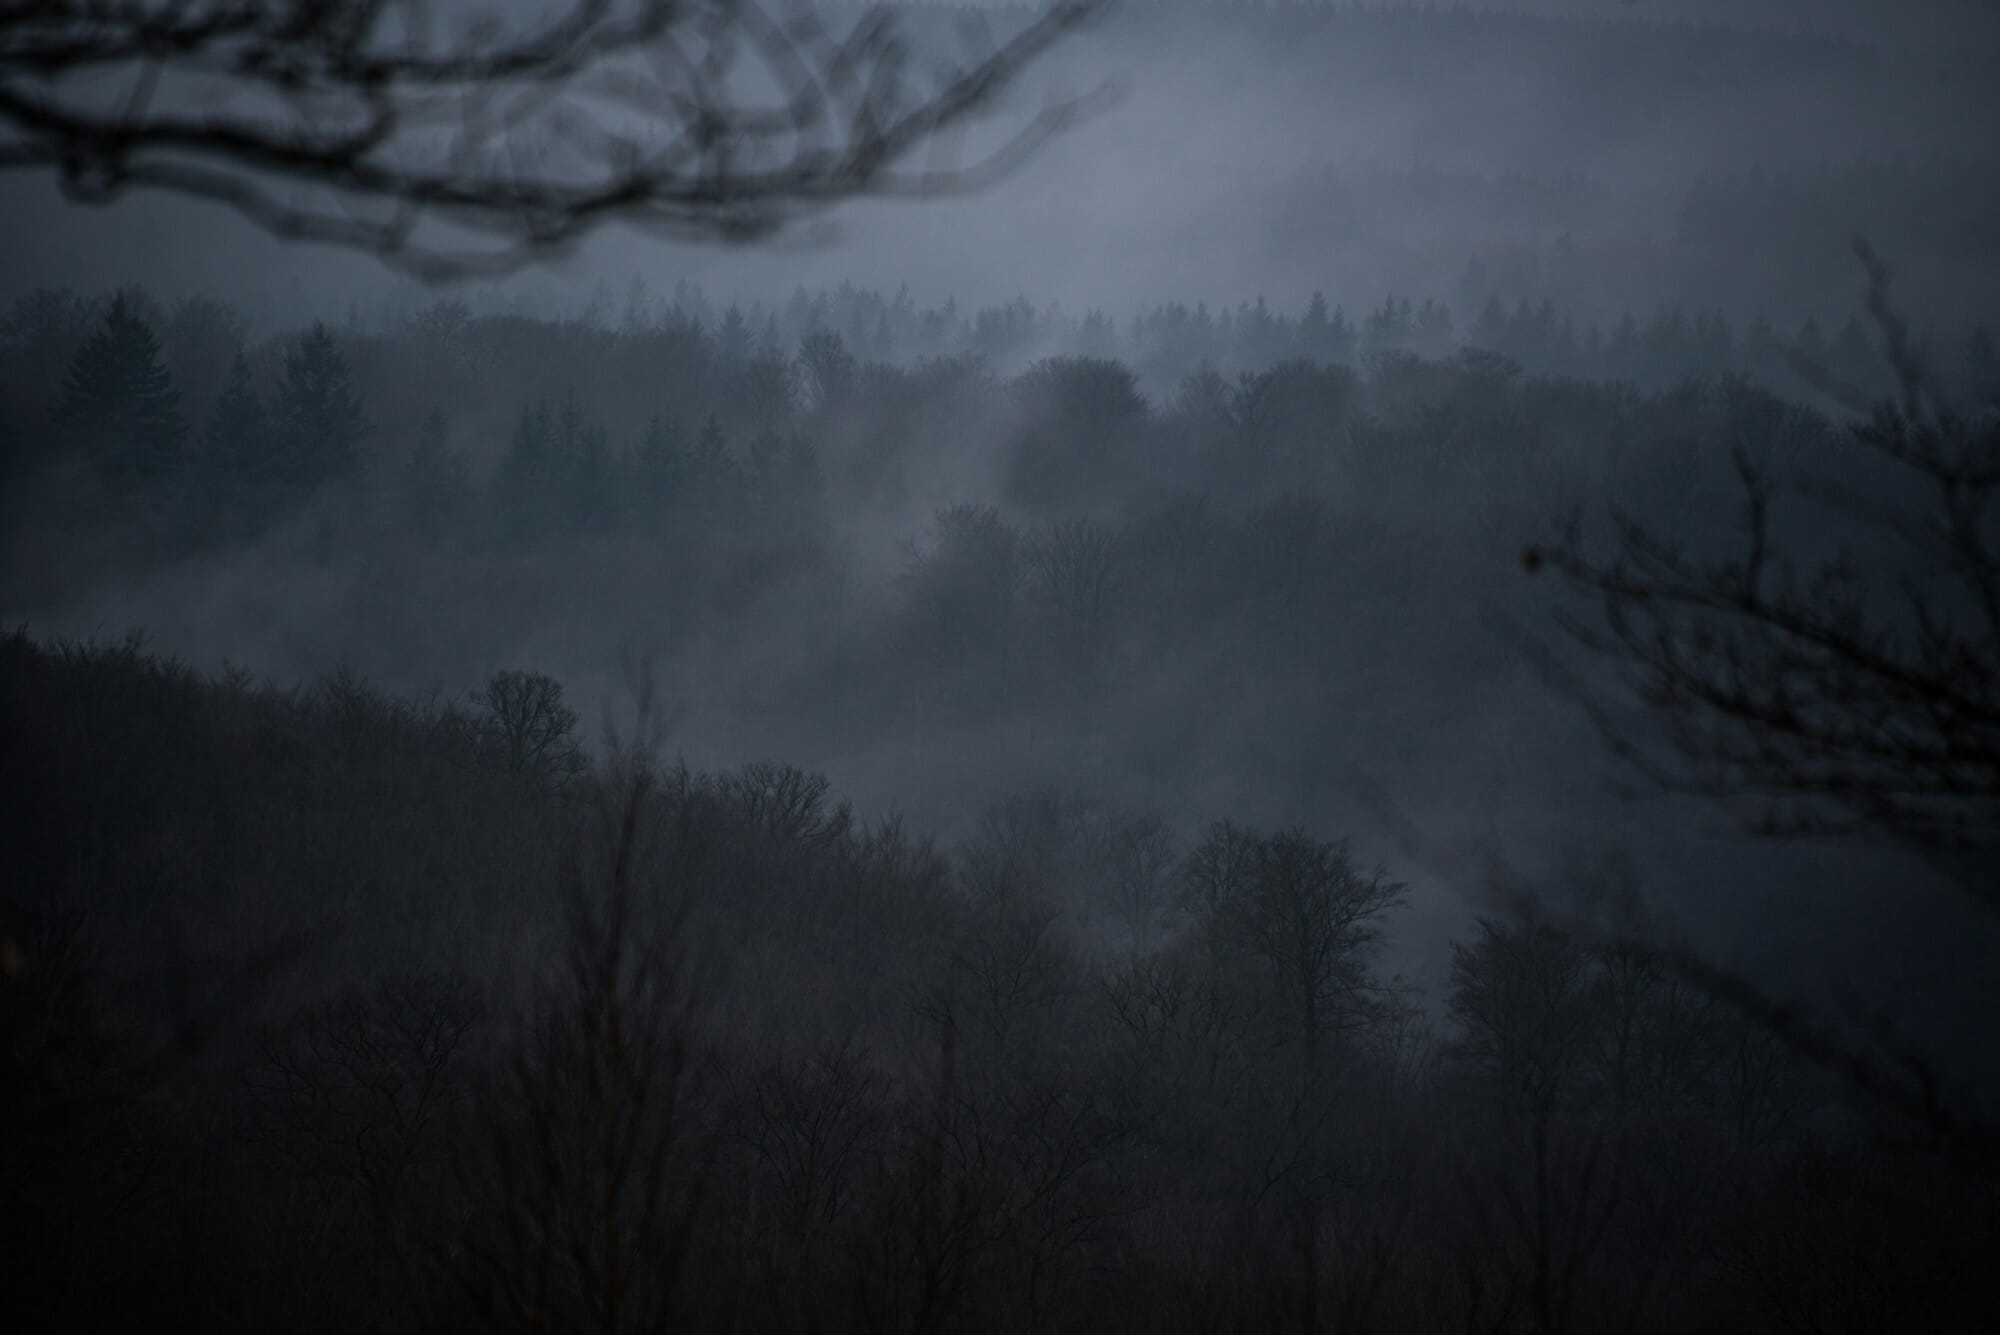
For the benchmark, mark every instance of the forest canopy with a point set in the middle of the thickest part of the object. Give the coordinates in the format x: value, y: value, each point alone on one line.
x: 1454, y: 794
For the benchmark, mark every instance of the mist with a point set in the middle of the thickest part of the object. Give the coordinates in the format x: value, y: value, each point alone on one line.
x: 1032, y: 553
x: 1610, y: 157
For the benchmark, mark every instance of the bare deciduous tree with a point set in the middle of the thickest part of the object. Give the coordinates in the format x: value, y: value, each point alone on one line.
x: 355, y: 1094
x: 450, y: 142
x: 1071, y: 577
x: 1309, y: 917
x: 581, y: 1169
x: 1852, y: 693
x: 786, y: 805
x: 960, y: 587
x: 527, y: 727
x: 1831, y: 698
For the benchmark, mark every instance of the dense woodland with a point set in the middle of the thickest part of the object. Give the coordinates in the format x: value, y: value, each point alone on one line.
x: 1465, y: 799
x: 326, y: 1010
x: 667, y: 410
x: 329, y: 1010
x: 328, y: 1007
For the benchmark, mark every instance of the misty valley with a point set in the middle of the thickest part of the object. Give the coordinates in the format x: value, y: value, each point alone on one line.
x: 1458, y: 794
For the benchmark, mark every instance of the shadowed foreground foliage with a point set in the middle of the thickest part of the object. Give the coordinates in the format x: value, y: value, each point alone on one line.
x: 316, y: 1015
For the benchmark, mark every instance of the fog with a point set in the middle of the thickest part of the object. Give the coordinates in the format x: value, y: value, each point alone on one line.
x: 1199, y: 470
x: 1614, y: 159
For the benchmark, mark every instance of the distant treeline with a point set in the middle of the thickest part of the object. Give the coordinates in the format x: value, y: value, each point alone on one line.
x: 701, y: 361
x: 1173, y: 339
x: 673, y: 420
x: 956, y: 546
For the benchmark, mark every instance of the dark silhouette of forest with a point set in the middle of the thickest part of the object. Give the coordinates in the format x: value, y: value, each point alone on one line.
x: 327, y: 1007
x: 1466, y: 799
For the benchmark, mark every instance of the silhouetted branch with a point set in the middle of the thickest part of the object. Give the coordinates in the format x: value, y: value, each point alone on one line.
x: 356, y: 123
x: 1835, y: 703
x: 1892, y: 1078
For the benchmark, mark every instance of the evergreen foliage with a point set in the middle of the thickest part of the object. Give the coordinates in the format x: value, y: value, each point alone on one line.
x: 319, y: 418
x: 556, y: 477
x: 658, y: 471
x: 436, y: 484
x: 239, y: 443
x: 238, y: 473
x: 716, y: 476
x: 119, y: 404
x: 1017, y: 1084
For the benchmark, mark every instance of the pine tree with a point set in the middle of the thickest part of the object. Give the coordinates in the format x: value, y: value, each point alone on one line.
x: 732, y: 339
x: 556, y: 474
x: 119, y: 404
x: 437, y: 487
x: 237, y: 467
x: 657, y: 472
x: 525, y: 478
x: 1339, y: 338
x: 1315, y: 331
x: 583, y: 463
x: 715, y: 473
x: 319, y: 418
x: 237, y: 447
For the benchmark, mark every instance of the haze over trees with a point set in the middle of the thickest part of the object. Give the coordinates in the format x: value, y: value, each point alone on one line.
x: 861, y: 812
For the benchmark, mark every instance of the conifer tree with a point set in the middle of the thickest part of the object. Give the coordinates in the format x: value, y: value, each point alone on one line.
x: 119, y: 403
x: 715, y: 475
x: 522, y: 481
x: 657, y: 473
x: 1315, y: 330
x: 319, y: 419
x: 589, y: 490
x: 436, y: 484
x: 237, y: 446
x: 237, y: 467
x: 556, y: 474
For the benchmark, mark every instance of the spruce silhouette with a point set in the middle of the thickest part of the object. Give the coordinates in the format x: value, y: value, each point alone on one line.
x: 119, y: 402
x: 319, y: 417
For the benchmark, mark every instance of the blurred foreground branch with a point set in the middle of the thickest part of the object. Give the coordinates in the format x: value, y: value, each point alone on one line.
x: 452, y: 143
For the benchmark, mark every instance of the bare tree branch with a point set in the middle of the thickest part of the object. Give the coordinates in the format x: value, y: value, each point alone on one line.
x: 355, y: 123
x: 1833, y: 698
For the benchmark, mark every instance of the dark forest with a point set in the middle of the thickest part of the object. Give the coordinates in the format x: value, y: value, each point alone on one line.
x: 1455, y: 796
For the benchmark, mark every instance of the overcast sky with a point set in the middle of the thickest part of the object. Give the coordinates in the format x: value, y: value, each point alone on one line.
x: 1246, y: 162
